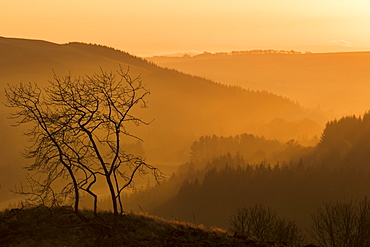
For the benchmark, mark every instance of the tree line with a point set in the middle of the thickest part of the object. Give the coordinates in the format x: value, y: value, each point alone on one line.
x: 343, y: 143
x: 259, y: 52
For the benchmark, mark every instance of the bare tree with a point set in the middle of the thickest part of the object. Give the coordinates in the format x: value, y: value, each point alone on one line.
x: 263, y: 223
x: 77, y: 127
x: 286, y: 231
x: 342, y: 224
x: 254, y: 221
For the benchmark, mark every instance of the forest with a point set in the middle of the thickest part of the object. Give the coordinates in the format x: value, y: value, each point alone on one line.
x: 227, y: 173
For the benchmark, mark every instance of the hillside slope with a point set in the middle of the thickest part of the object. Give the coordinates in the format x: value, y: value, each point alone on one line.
x: 183, y: 107
x: 42, y: 226
x: 224, y: 174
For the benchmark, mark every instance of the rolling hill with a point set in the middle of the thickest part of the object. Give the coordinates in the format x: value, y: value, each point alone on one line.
x: 182, y: 106
x: 41, y: 226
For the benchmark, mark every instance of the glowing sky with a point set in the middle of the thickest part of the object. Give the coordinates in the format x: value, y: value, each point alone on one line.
x: 158, y: 26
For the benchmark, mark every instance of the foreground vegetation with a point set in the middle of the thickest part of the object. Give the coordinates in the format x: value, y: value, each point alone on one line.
x: 59, y: 226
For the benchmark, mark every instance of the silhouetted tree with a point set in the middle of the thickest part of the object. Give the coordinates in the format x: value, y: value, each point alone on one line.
x: 345, y: 143
x: 342, y: 224
x: 77, y: 126
x: 254, y: 221
x: 263, y: 223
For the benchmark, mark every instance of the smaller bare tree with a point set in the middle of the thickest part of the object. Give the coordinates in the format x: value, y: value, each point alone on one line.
x: 263, y: 223
x: 286, y: 231
x: 342, y: 224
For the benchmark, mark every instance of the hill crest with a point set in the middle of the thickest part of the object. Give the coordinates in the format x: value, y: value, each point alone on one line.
x: 59, y: 226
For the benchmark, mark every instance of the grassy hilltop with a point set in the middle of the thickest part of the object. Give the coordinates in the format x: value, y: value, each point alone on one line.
x: 41, y: 226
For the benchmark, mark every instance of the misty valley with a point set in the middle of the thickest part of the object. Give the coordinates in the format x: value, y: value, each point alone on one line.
x: 248, y: 148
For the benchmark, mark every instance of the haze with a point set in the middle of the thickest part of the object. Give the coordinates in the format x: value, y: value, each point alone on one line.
x: 148, y: 27
x: 252, y: 104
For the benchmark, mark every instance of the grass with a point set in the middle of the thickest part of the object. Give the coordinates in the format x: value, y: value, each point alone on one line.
x: 59, y: 226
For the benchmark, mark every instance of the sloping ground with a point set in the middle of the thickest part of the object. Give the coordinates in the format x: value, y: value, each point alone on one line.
x: 182, y: 106
x: 41, y: 226
x: 179, y: 103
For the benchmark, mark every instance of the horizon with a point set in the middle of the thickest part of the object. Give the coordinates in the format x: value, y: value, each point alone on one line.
x: 145, y: 53
x: 147, y: 28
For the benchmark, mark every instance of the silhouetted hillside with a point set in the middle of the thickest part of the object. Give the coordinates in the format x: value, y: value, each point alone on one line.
x: 42, y: 226
x: 211, y: 195
x: 182, y: 106
x: 250, y: 170
x: 294, y: 191
x: 344, y: 144
x: 332, y: 81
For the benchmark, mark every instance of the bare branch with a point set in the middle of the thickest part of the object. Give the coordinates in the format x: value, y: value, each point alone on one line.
x: 77, y: 126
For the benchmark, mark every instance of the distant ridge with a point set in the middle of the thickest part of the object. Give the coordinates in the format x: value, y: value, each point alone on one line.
x: 113, y: 53
x: 234, y: 53
x: 336, y: 81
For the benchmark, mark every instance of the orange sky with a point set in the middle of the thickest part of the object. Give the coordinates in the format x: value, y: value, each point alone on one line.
x: 146, y: 27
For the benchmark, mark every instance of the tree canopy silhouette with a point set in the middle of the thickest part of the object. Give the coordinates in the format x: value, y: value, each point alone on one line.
x: 77, y: 129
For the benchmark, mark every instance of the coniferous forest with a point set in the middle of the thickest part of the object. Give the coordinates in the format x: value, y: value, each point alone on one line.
x: 287, y: 177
